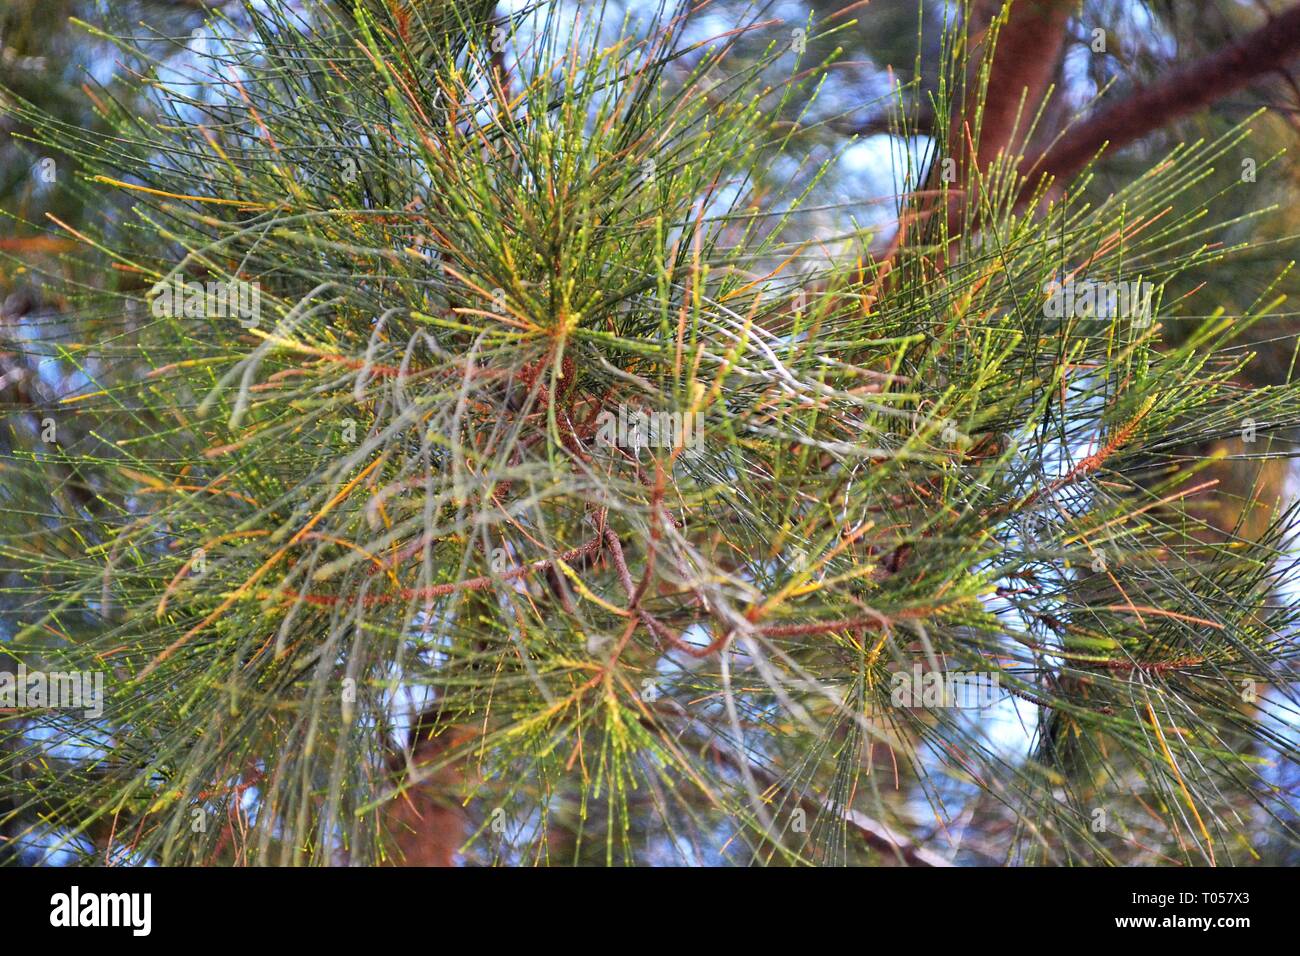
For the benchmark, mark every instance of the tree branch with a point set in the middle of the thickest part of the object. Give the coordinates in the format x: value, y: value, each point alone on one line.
x: 1185, y: 89
x: 1027, y: 50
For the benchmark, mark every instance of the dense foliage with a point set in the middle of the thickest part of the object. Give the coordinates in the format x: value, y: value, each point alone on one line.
x: 348, y: 501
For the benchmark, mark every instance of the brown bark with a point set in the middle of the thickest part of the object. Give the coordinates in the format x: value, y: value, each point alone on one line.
x: 1025, y: 57
x: 1183, y: 90
x: 425, y: 821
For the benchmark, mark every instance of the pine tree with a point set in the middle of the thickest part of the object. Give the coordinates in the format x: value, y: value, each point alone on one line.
x: 473, y: 457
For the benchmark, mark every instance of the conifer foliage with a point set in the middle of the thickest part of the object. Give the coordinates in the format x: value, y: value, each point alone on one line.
x: 471, y: 455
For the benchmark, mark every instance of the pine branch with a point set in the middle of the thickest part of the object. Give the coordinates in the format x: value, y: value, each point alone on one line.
x: 874, y: 834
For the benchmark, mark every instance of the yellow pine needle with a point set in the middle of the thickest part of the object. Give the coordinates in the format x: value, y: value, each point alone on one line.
x: 587, y: 593
x: 260, y: 573
x: 242, y: 203
x: 1191, y: 804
